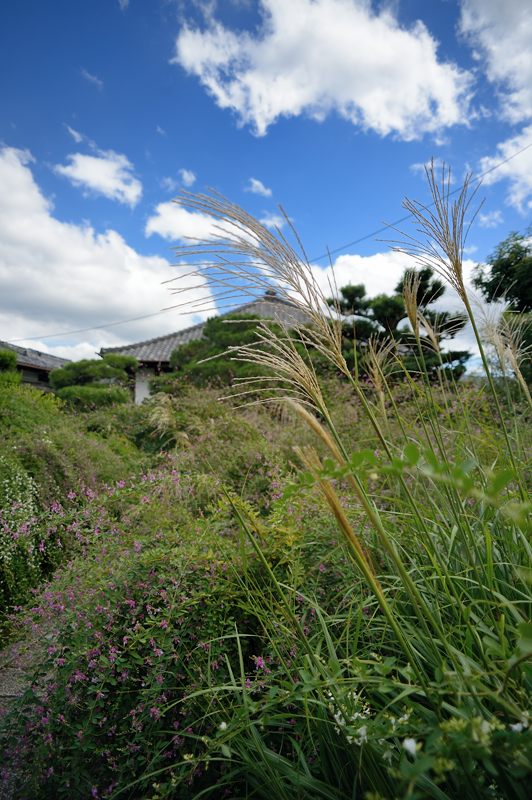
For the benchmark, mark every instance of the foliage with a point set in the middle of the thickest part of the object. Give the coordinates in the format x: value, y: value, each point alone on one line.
x: 346, y: 618
x: 92, y: 383
x: 508, y: 273
x: 10, y: 378
x: 9, y: 375
x: 379, y: 318
x: 46, y: 456
x: 93, y: 395
x: 208, y: 361
x: 111, y: 369
x: 8, y: 360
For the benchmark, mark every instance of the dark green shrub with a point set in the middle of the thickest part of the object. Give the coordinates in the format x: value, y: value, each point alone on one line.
x: 93, y: 395
x: 111, y: 369
x: 9, y: 376
x: 8, y: 360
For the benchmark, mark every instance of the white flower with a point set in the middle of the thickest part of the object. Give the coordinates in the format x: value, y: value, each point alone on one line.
x: 518, y: 727
x: 362, y: 735
x: 410, y: 745
x: 222, y: 726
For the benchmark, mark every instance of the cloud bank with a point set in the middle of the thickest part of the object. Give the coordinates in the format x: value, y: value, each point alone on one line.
x: 61, y: 276
x: 315, y: 57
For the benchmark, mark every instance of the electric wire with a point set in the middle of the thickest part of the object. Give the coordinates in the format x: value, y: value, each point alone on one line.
x: 328, y: 254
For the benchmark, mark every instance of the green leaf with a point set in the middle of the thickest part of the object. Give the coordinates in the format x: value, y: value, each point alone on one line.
x: 500, y: 481
x: 524, y: 643
x: 411, y: 453
x: 226, y: 751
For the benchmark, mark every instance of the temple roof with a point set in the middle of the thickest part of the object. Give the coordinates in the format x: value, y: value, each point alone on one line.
x: 159, y: 350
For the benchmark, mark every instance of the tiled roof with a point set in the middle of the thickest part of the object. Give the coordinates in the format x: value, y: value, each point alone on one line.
x: 34, y: 358
x: 160, y: 349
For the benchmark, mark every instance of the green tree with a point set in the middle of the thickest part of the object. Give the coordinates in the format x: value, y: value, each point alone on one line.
x: 207, y: 361
x: 95, y: 382
x: 9, y: 375
x: 8, y: 361
x: 381, y: 316
x: 112, y: 368
x: 508, y: 272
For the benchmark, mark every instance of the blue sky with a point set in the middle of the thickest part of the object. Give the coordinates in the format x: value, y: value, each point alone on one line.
x: 329, y: 107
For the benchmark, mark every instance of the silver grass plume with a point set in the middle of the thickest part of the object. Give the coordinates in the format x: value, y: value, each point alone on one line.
x: 443, y: 227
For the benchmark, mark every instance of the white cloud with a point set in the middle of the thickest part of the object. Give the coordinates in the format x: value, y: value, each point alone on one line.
x: 491, y: 219
x: 61, y: 276
x: 187, y: 176
x: 124, y: 4
x: 316, y: 57
x: 108, y: 173
x: 257, y: 187
x: 518, y: 171
x: 175, y: 223
x: 160, y: 131
x: 380, y: 274
x: 420, y: 168
x: 501, y: 34
x: 76, y: 135
x: 272, y: 220
x: 170, y: 184
x: 92, y: 79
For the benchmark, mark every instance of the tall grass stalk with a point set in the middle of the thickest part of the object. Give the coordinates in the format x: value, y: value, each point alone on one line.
x: 447, y: 562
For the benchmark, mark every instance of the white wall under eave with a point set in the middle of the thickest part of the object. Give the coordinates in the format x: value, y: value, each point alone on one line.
x: 142, y: 390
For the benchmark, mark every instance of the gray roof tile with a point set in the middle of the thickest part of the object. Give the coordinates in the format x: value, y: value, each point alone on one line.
x: 159, y: 350
x: 34, y: 358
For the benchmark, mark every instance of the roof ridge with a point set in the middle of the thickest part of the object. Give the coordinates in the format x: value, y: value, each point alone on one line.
x: 266, y: 298
x: 156, y: 338
x: 16, y: 348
